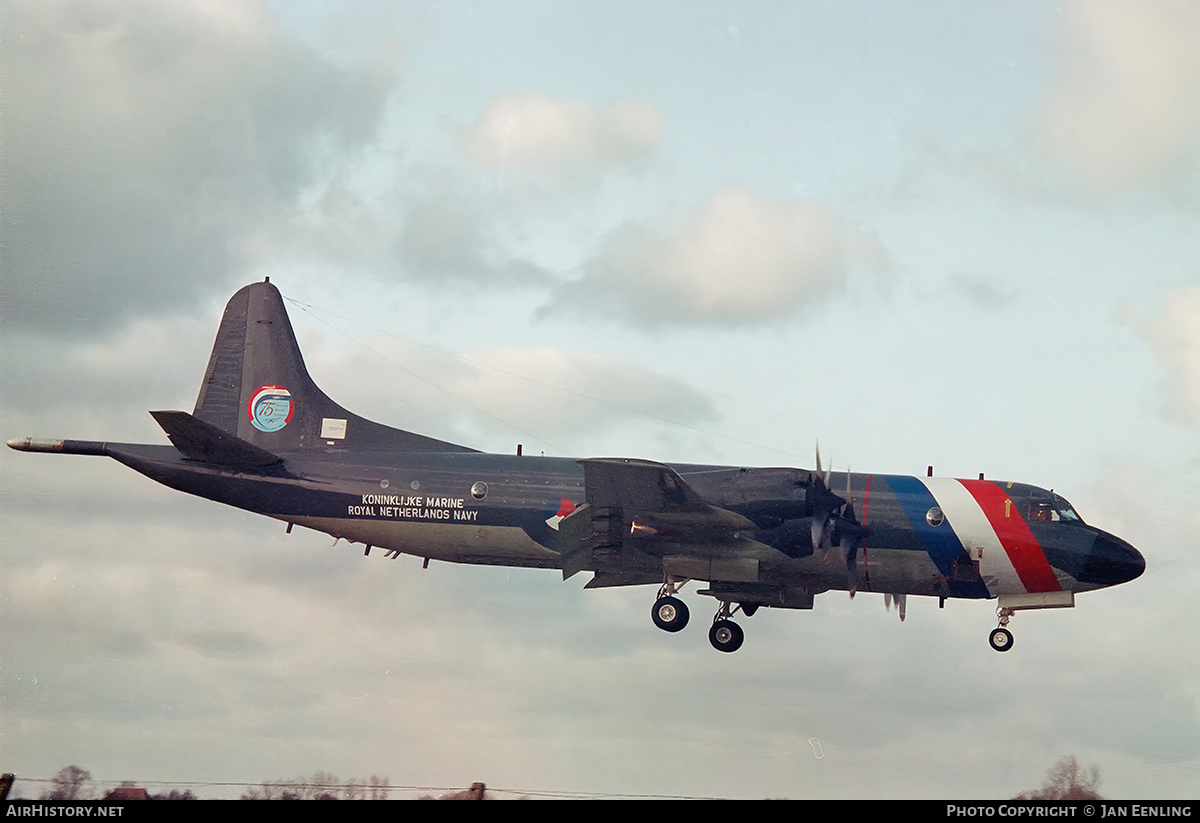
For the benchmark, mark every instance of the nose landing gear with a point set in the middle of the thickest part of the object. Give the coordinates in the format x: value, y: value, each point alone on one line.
x: 1001, y: 639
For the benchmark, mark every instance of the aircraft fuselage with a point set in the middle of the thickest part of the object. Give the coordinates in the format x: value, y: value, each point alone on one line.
x: 928, y: 536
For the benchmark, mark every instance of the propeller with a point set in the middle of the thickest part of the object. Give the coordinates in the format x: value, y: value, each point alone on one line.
x: 824, y: 505
x: 834, y: 517
x: 851, y: 534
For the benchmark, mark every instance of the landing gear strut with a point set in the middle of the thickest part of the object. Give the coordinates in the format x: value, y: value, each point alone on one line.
x: 1001, y: 638
x: 670, y: 613
x: 725, y: 635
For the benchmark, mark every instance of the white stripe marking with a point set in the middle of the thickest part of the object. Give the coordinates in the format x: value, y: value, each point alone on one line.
x: 976, y: 533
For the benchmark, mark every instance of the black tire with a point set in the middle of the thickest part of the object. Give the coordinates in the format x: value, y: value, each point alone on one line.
x: 670, y: 614
x: 1001, y: 640
x: 726, y: 636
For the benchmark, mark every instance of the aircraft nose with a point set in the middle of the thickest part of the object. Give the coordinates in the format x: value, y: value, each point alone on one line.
x: 1112, y: 561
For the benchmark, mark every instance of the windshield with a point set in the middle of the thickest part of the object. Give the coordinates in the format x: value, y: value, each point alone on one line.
x: 1052, y: 510
x: 1064, y: 510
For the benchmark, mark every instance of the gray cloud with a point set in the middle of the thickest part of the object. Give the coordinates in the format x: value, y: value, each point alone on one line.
x: 981, y: 291
x: 449, y: 228
x: 527, y: 156
x: 145, y: 142
x: 423, y: 223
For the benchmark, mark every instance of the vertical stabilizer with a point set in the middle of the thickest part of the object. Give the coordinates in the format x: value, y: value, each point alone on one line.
x: 257, y: 387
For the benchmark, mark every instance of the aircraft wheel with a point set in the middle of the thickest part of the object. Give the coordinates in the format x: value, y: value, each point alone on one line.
x: 670, y: 614
x: 1001, y: 640
x: 726, y: 636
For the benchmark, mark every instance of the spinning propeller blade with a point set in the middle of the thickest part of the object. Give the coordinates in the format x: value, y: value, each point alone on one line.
x: 851, y: 533
x: 834, y: 520
x: 824, y: 505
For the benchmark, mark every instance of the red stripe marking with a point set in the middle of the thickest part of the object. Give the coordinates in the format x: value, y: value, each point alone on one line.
x: 1018, y: 541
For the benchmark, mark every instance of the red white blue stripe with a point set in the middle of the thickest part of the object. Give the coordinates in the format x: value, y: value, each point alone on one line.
x: 985, y: 523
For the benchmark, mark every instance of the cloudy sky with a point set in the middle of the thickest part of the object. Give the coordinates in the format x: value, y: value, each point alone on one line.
x: 959, y: 234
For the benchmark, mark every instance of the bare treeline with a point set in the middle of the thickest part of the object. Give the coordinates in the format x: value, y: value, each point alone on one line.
x: 74, y: 783
x: 321, y: 786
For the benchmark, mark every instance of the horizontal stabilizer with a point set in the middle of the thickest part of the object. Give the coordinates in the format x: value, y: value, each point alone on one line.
x: 205, y: 442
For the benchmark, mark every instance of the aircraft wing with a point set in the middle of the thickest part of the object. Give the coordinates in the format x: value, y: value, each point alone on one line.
x: 639, y: 485
x: 641, y: 520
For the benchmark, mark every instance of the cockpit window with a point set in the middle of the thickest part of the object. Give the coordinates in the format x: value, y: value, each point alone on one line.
x: 1054, y: 510
x: 1064, y: 510
x: 1041, y: 512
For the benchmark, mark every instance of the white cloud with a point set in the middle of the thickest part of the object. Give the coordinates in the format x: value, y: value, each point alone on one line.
x: 1125, y: 110
x: 532, y: 130
x: 566, y: 401
x: 1175, y: 336
x: 736, y: 258
x: 571, y: 396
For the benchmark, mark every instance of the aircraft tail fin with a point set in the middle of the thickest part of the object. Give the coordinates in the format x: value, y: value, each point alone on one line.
x: 258, y: 389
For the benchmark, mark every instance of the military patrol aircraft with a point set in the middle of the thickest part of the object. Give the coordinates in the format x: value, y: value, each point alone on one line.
x: 263, y: 437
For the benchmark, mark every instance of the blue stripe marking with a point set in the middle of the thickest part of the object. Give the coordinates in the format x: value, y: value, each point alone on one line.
x: 940, y: 542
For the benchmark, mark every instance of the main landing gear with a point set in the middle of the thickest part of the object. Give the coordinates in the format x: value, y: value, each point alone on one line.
x: 671, y: 614
x: 1001, y: 638
x: 725, y: 635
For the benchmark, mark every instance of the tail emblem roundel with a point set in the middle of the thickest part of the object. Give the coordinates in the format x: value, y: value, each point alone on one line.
x: 271, y: 408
